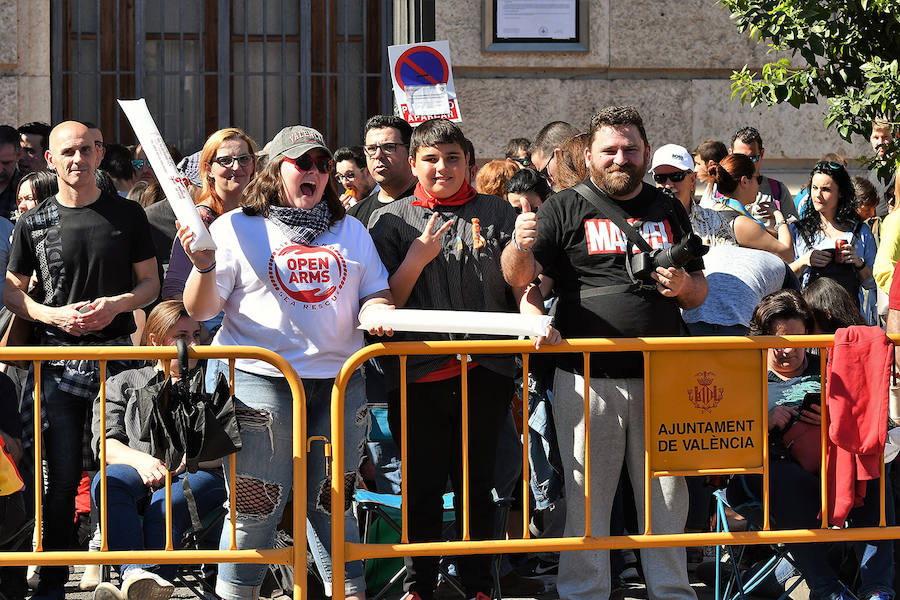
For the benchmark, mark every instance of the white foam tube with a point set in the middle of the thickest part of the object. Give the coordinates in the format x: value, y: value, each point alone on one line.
x: 170, y: 179
x: 457, y: 321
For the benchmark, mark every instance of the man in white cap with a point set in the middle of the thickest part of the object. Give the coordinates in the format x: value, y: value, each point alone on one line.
x: 673, y: 169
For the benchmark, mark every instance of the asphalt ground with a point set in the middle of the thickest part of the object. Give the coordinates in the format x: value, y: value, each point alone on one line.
x: 631, y: 591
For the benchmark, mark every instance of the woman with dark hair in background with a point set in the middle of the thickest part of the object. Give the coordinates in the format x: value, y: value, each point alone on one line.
x: 831, y: 241
x: 801, y: 199
x: 736, y: 179
x: 832, y: 306
x: 34, y: 188
x: 528, y: 185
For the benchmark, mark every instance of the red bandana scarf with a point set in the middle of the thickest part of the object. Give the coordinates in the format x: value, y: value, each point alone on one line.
x: 465, y: 193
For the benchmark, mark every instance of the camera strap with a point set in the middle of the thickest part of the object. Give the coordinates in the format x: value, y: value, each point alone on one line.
x: 609, y: 210
x: 615, y: 214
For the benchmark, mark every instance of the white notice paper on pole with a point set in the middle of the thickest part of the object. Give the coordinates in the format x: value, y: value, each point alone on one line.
x: 457, y: 321
x: 170, y: 179
x: 428, y: 99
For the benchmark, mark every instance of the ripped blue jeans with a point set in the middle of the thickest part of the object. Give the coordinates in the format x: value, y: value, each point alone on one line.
x: 264, y: 475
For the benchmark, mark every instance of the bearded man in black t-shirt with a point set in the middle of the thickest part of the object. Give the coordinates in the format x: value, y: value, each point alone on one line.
x: 94, y: 261
x: 580, y: 250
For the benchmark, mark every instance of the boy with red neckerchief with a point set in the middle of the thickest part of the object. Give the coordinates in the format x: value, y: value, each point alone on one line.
x: 441, y: 247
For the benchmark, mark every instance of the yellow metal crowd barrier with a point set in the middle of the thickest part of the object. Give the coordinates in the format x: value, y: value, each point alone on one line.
x: 705, y: 406
x: 285, y: 556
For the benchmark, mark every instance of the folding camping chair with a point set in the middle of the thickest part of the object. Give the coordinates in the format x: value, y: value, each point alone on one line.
x: 736, y: 586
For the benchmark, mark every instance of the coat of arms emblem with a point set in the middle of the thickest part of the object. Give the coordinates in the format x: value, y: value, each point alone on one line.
x: 706, y: 395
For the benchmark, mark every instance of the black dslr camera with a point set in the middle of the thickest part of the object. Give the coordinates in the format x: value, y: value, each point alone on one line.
x: 642, y: 264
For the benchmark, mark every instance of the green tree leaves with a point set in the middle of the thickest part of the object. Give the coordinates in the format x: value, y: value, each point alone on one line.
x: 843, y: 51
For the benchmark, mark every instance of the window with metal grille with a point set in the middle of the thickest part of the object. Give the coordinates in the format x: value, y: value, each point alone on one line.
x: 207, y: 64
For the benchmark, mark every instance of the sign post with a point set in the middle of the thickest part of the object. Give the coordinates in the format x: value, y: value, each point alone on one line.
x: 423, y: 82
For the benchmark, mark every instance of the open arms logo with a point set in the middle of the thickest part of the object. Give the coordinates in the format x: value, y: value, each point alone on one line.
x: 308, y: 274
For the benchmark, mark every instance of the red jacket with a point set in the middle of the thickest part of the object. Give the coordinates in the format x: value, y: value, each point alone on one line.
x: 857, y: 385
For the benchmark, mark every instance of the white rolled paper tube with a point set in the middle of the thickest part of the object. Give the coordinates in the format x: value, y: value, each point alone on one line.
x: 170, y: 179
x: 457, y: 321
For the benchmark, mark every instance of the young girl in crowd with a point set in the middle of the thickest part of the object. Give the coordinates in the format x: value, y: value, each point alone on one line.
x: 529, y: 185
x: 136, y: 495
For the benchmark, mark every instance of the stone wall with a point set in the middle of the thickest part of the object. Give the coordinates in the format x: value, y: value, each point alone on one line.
x: 672, y: 59
x: 24, y: 61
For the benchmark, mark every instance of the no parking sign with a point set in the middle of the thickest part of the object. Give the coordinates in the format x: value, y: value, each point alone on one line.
x: 423, y: 81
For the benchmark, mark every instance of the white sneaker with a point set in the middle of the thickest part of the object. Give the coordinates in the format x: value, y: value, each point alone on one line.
x: 145, y: 585
x: 107, y: 591
x: 90, y: 578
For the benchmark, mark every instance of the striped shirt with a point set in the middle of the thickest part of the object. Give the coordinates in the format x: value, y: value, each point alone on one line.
x: 465, y: 275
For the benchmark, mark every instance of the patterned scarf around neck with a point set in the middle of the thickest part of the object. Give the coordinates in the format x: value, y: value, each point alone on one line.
x: 300, y: 225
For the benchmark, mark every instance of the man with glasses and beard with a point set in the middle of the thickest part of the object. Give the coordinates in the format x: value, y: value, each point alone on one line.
x: 574, y: 242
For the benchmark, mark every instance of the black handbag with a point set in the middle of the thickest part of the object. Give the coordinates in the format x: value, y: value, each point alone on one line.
x: 186, y: 421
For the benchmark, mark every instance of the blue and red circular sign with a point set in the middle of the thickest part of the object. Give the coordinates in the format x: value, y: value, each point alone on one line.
x: 421, y: 65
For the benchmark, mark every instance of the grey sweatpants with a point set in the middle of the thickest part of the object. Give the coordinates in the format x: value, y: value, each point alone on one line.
x: 617, y: 434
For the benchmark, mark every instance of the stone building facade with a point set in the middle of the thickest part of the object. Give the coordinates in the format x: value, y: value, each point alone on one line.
x: 672, y: 59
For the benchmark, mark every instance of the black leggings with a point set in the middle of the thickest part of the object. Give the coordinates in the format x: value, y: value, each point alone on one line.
x: 435, y: 453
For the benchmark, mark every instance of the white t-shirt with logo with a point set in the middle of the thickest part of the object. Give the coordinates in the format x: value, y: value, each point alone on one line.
x: 301, y: 302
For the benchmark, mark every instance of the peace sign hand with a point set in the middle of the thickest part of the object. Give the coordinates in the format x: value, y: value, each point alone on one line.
x: 427, y: 246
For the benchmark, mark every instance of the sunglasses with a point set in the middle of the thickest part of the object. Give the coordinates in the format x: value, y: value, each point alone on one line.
x: 138, y: 164
x: 754, y: 157
x: 226, y: 162
x: 305, y: 163
x: 673, y: 177
x: 546, y: 170
x: 828, y: 164
x: 522, y: 161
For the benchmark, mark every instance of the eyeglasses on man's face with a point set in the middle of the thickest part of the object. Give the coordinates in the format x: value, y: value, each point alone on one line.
x: 387, y: 148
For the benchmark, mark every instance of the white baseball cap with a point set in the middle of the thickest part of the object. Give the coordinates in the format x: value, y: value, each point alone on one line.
x: 674, y: 156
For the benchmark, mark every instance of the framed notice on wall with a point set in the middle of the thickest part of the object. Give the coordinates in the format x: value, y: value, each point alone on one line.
x: 529, y: 26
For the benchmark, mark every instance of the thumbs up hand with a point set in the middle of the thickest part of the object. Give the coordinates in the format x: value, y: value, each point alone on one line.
x: 526, y: 227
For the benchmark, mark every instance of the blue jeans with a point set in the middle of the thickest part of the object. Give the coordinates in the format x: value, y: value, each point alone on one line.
x: 128, y: 498
x: 795, y: 504
x: 264, y: 474
x: 546, y: 480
